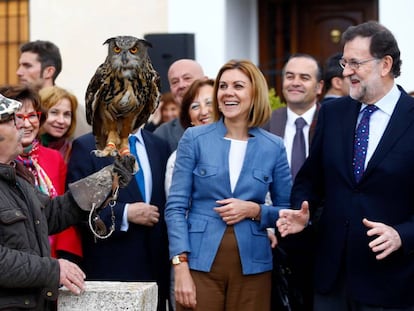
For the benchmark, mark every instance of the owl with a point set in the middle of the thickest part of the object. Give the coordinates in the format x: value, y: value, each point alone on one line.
x: 121, y: 95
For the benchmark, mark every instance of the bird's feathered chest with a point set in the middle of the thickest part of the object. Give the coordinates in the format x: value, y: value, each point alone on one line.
x: 125, y: 91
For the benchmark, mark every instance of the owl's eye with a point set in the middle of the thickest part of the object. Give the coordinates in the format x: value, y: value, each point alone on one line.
x: 133, y: 50
x: 117, y: 49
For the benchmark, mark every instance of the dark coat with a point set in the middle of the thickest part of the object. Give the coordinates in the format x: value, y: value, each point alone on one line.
x: 171, y: 132
x: 299, y: 247
x: 141, y: 253
x: 384, y: 194
x: 29, y: 277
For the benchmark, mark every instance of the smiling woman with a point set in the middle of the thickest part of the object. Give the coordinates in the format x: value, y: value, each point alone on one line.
x: 216, y: 213
x: 59, y: 107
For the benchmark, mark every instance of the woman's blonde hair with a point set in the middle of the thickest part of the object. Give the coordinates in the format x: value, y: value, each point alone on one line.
x: 51, y: 95
x: 260, y: 111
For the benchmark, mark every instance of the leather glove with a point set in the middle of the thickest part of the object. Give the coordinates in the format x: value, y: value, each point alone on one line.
x: 125, y: 167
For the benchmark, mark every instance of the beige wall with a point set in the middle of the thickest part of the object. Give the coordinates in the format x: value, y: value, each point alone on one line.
x: 79, y: 27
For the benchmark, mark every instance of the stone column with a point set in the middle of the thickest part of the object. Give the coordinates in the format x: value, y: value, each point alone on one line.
x: 101, y: 296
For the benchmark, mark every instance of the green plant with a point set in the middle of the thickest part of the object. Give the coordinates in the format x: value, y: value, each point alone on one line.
x: 275, y: 101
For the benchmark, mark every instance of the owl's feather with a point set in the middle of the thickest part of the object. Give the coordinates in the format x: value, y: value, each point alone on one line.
x: 122, y: 94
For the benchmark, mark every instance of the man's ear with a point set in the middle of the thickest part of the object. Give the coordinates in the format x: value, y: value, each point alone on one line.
x: 319, y: 87
x: 48, y: 72
x: 387, y: 62
x: 337, y: 83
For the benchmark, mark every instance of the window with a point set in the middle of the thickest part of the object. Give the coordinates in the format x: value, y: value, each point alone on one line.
x: 14, y: 30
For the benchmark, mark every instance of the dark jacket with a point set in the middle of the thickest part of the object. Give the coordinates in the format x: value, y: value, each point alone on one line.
x: 171, y: 132
x: 29, y: 277
x: 384, y: 194
x: 141, y: 252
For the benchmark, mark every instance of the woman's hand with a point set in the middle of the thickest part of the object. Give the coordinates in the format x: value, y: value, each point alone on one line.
x: 293, y: 221
x: 184, y: 287
x: 234, y: 210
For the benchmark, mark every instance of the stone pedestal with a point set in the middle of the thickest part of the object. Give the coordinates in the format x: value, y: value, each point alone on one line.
x: 101, y: 296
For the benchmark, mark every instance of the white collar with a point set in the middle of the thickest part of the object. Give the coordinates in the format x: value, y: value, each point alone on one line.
x: 308, y: 116
x: 388, y: 102
x: 138, y: 135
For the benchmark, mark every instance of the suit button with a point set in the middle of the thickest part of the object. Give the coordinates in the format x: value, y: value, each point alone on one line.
x: 266, y: 178
x: 202, y: 172
x: 26, y: 301
x: 49, y: 294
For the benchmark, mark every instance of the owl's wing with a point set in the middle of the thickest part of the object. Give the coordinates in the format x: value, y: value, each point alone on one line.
x: 149, y: 93
x: 95, y: 104
x: 94, y: 92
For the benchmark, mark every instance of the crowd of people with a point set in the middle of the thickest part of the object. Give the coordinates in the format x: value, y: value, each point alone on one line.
x: 224, y: 185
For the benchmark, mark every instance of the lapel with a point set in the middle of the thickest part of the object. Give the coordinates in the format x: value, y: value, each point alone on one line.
x: 401, y: 119
x: 312, y: 126
x: 278, y: 122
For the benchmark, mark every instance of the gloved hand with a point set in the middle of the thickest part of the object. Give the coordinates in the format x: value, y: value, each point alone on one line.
x: 125, y: 167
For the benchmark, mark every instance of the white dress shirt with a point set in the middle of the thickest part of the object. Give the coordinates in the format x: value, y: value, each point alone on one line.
x: 290, y: 130
x: 379, y: 119
x: 146, y: 168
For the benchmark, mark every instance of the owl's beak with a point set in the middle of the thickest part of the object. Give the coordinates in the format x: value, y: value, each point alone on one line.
x: 124, y: 58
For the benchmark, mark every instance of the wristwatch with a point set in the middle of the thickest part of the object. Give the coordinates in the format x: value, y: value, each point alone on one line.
x: 177, y: 259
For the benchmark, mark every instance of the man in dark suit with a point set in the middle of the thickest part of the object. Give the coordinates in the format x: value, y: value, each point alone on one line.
x: 302, y: 84
x: 138, y: 249
x: 365, y: 241
x: 180, y: 76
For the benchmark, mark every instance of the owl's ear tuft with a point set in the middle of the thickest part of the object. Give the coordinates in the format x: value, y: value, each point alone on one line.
x: 109, y: 40
x: 145, y: 42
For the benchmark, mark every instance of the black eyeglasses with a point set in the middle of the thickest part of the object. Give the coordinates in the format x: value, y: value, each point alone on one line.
x: 354, y: 64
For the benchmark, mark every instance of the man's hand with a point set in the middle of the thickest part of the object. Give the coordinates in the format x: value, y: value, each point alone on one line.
x: 143, y: 214
x: 71, y: 276
x: 293, y: 221
x: 387, y: 241
x: 272, y: 237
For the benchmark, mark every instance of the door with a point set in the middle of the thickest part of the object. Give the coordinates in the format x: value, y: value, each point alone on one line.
x: 305, y: 26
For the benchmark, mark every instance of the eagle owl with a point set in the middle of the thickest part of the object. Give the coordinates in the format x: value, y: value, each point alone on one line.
x: 121, y: 95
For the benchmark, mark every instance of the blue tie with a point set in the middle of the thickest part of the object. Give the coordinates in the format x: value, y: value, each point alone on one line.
x: 361, y: 141
x: 139, y: 176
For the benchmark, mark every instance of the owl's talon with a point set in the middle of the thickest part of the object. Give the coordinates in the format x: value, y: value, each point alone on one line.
x: 124, y: 151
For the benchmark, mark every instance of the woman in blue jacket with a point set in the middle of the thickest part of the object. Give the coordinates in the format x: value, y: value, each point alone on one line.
x: 216, y: 213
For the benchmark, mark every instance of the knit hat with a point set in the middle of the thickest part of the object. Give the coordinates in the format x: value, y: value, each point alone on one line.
x: 8, y: 107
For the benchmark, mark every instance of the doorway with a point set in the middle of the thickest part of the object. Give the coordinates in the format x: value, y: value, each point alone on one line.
x: 305, y: 26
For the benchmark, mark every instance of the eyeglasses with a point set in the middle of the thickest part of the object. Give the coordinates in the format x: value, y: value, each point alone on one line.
x: 353, y: 64
x: 33, y: 117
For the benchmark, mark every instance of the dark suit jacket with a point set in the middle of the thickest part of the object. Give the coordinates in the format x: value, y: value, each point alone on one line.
x: 141, y: 253
x: 298, y: 247
x: 171, y: 132
x: 384, y: 194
